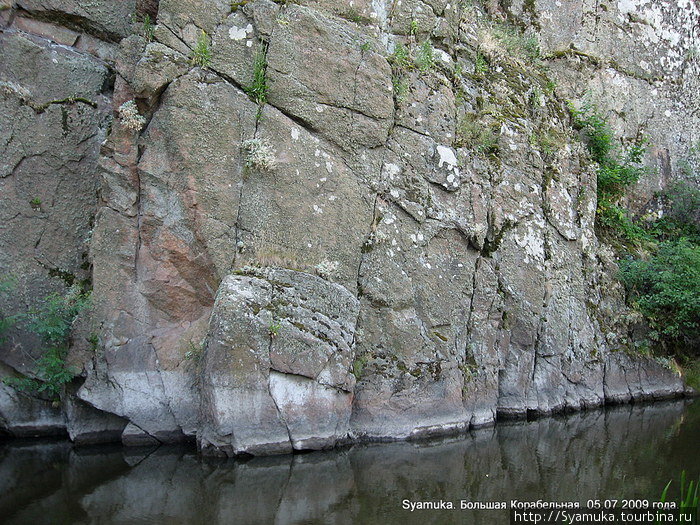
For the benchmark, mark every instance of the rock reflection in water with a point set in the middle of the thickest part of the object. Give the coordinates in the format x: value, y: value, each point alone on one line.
x: 615, y: 453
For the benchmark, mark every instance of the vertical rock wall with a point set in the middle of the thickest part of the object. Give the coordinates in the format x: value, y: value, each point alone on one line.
x: 377, y: 248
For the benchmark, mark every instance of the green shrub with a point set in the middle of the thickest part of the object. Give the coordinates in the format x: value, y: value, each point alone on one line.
x: 425, y: 57
x: 52, y: 322
x: 201, y: 54
x: 257, y: 90
x: 664, y: 284
x: 149, y: 30
x: 681, y: 218
x: 665, y: 287
x: 617, y: 170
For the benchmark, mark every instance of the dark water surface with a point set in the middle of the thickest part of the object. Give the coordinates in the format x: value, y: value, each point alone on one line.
x: 625, y: 452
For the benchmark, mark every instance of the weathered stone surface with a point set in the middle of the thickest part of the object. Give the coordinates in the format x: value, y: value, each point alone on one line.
x: 50, y: 132
x: 629, y: 378
x: 103, y: 18
x: 344, y: 94
x: 446, y: 208
x: 276, y: 370
x: 87, y: 426
x: 22, y: 415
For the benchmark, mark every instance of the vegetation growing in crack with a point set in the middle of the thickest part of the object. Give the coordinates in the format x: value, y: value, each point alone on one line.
x: 148, y: 29
x: 353, y: 15
x: 404, y: 59
x: 617, y: 171
x: 201, y: 53
x: 259, y: 154
x: 274, y: 329
x: 194, y: 351
x: 475, y: 135
x: 52, y: 322
x: 257, y: 90
x: 358, y: 366
x: 425, y: 57
x: 130, y: 117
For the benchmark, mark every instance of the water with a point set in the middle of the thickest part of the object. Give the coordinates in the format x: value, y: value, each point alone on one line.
x: 626, y: 452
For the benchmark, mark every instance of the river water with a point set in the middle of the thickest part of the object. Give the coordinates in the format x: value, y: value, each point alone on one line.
x: 615, y: 453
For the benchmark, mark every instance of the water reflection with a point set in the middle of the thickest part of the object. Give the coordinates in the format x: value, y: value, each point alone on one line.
x: 616, y: 453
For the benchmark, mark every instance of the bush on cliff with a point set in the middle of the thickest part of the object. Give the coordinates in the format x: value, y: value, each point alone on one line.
x: 52, y: 322
x: 666, y: 289
x: 663, y: 280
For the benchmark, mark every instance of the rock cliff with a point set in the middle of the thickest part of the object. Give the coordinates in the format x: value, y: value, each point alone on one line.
x: 311, y: 222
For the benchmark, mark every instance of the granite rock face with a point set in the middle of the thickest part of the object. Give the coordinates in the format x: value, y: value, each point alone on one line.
x: 366, y: 223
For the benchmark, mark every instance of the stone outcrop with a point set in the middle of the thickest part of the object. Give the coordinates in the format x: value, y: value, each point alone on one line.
x: 306, y: 237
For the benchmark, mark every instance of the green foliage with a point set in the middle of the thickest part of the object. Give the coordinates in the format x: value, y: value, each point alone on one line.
x: 425, y: 57
x: 274, y: 329
x: 689, y: 502
x: 666, y: 289
x: 664, y: 284
x: 358, y: 366
x: 617, y: 170
x: 201, y: 54
x: 403, y: 60
x: 149, y: 30
x: 481, y: 66
x: 52, y: 322
x: 35, y: 203
x: 194, y: 351
x: 400, y: 86
x: 353, y: 15
x: 517, y: 44
x: 681, y: 205
x: 691, y: 373
x: 548, y: 142
x: 400, y: 58
x: 472, y: 134
x: 257, y: 90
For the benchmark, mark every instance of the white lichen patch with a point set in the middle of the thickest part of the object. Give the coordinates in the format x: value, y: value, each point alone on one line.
x: 236, y: 33
x: 295, y: 134
x: 390, y: 171
x: 327, y: 269
x: 130, y: 117
x: 532, y: 242
x: 259, y: 154
x: 10, y: 88
x: 447, y: 156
